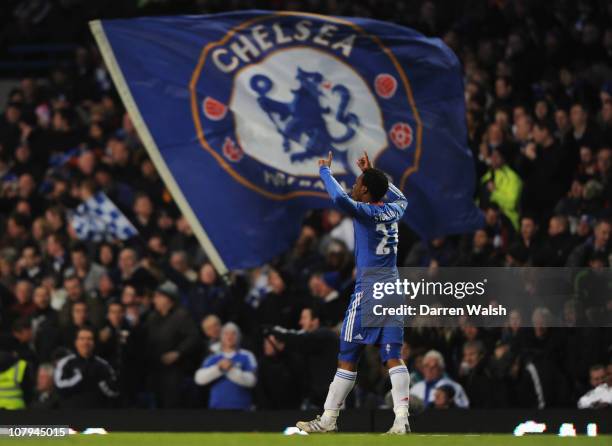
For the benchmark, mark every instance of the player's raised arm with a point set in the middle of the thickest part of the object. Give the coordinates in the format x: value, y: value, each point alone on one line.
x: 326, y: 162
x: 338, y: 195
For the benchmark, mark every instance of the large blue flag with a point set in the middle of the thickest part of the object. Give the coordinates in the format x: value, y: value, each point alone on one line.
x: 235, y: 109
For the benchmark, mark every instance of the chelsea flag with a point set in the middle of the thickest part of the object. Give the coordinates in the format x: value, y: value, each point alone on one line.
x: 235, y: 110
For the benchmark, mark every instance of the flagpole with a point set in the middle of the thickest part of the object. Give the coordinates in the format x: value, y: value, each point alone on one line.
x: 147, y: 139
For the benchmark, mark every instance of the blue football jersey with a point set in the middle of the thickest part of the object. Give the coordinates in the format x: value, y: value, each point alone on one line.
x: 376, y: 225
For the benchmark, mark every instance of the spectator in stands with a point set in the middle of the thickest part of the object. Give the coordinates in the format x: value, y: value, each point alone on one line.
x: 58, y: 294
x: 131, y: 273
x: 434, y: 377
x: 502, y: 185
x: 45, y: 397
x: 583, y: 132
x: 19, y: 340
x: 546, y: 169
x: 231, y: 373
x: 318, y: 347
x: 207, y: 295
x: 144, y: 218
x: 527, y: 241
x: 277, y: 307
x: 600, y: 395
x: 304, y: 256
x: 23, y: 307
x: 179, y: 271
x: 171, y: 345
x: 444, y: 397
x: 604, y: 167
x: 112, y: 337
x: 88, y: 272
x: 324, y: 288
x: 75, y: 293
x: 481, y: 252
x: 587, y: 167
x: 106, y: 290
x: 84, y: 380
x: 598, y: 244
x: 562, y: 125
x: 276, y: 383
x: 438, y: 252
x: 45, y: 325
x: 211, y: 328
x: 17, y: 232
x: 30, y: 264
x: 122, y: 345
x: 573, y: 205
x: 106, y: 258
x: 523, y: 128
x: 57, y: 257
x: 498, y: 227
x: 555, y: 248
x: 481, y: 387
x: 79, y: 318
x: 184, y: 240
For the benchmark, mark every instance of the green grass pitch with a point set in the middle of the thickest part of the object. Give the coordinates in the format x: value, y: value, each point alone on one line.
x: 258, y: 439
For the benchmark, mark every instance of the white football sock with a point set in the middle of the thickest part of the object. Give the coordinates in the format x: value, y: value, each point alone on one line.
x: 340, y: 387
x: 400, y: 390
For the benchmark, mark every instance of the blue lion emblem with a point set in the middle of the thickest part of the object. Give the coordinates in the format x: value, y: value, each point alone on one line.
x: 304, y: 116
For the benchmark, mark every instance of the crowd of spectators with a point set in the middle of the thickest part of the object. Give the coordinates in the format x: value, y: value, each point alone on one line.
x: 149, y: 323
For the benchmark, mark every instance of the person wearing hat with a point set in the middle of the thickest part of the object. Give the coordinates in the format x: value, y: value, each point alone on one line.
x: 324, y: 288
x: 172, y: 345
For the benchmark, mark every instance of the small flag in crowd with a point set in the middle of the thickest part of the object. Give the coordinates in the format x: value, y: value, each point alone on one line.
x: 63, y: 158
x: 97, y: 219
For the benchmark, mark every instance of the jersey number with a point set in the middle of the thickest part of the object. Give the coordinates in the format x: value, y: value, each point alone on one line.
x: 389, y: 237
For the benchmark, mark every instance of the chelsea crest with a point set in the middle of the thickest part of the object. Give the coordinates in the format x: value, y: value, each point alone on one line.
x: 278, y: 92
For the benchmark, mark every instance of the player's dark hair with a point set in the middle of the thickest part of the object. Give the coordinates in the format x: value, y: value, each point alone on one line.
x: 376, y: 182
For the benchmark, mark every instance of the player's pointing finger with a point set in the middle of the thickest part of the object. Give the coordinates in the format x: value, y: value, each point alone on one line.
x: 365, y: 155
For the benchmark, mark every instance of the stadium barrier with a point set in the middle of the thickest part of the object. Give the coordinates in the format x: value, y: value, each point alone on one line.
x: 443, y: 421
